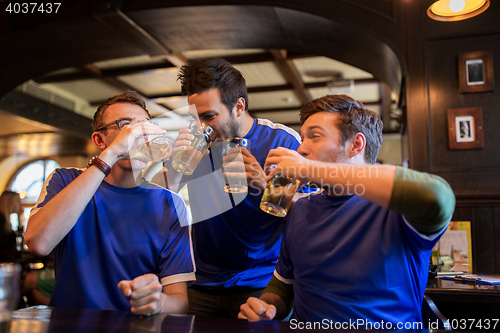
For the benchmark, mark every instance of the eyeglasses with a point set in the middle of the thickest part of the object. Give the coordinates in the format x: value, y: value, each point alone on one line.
x: 122, y: 122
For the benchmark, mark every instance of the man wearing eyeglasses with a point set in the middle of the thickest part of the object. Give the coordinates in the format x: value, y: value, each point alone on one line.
x: 116, y: 245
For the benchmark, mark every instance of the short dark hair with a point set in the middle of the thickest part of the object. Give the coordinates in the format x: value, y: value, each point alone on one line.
x: 130, y: 97
x: 353, y: 118
x: 204, y: 74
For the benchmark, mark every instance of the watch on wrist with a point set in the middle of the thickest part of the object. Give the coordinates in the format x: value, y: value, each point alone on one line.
x: 103, y: 166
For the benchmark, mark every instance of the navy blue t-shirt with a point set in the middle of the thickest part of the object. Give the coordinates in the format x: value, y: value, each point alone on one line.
x: 235, y: 243
x: 351, y: 259
x: 122, y: 233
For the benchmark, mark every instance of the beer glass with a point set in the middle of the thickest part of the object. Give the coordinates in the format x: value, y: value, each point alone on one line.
x: 235, y: 176
x: 187, y: 160
x: 9, y: 293
x: 158, y: 148
x: 278, y: 195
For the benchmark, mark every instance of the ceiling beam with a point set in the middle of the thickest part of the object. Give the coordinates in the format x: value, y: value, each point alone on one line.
x: 120, y: 22
x: 95, y: 73
x: 30, y: 107
x: 129, y: 70
x: 84, y: 75
x: 290, y: 72
x: 252, y: 90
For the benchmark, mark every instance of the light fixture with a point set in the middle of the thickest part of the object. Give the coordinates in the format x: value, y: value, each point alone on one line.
x: 456, y: 10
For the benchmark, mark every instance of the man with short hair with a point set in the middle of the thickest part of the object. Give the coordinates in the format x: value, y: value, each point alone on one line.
x: 116, y: 245
x: 358, y: 251
x: 236, y: 244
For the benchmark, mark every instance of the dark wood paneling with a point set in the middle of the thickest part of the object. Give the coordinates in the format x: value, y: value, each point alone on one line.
x: 443, y: 94
x: 485, y: 240
x: 473, y: 183
x: 416, y: 88
x: 496, y: 235
x: 473, y: 174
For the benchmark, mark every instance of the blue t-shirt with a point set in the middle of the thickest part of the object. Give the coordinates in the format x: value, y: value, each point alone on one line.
x: 351, y: 259
x: 235, y: 243
x: 122, y: 233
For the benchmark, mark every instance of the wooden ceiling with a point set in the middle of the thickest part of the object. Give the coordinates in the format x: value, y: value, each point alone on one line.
x: 64, y: 66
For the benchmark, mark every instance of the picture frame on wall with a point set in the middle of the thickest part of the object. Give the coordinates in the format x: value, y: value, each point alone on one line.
x: 465, y: 128
x: 475, y: 72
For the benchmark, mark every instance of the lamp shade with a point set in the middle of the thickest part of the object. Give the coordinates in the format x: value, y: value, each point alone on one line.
x: 456, y: 10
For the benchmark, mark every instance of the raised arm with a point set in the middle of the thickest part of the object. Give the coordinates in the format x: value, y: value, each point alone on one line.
x: 426, y: 201
x: 52, y: 222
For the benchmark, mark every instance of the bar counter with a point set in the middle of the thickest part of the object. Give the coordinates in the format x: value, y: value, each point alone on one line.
x: 41, y: 319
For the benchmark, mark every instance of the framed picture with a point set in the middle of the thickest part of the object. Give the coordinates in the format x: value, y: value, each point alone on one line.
x: 475, y: 72
x: 465, y: 128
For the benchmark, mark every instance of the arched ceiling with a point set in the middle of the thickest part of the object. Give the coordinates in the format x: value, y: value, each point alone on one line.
x: 291, y: 35
x: 100, y: 30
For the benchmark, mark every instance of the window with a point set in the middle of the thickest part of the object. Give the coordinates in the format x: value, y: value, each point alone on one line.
x: 28, y: 182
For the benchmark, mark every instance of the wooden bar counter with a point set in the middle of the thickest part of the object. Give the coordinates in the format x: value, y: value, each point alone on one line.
x: 42, y: 319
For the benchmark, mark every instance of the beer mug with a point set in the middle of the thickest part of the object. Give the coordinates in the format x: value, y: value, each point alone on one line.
x: 187, y: 160
x: 158, y: 148
x: 236, y: 182
x: 155, y: 148
x: 278, y: 195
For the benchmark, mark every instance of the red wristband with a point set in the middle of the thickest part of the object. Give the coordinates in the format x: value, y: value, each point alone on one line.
x: 103, y: 166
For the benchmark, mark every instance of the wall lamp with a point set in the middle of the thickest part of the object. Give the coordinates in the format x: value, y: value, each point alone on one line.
x: 456, y: 10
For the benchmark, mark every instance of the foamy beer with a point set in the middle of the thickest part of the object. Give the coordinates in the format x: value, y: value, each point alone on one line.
x: 278, y: 195
x: 186, y: 161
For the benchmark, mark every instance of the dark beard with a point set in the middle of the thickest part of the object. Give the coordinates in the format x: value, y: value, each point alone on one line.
x: 234, y: 130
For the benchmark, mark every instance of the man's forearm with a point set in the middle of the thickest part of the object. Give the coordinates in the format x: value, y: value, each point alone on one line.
x: 277, y: 301
x: 426, y: 200
x: 175, y: 303
x: 47, y: 227
x: 372, y: 182
x: 279, y: 294
x: 174, y: 299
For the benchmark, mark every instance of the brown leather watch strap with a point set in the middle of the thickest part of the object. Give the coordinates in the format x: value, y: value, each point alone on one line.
x: 103, y: 166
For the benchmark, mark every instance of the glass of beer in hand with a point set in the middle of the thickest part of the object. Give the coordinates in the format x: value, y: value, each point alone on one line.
x: 187, y: 160
x: 234, y: 167
x: 278, y: 195
x: 156, y: 148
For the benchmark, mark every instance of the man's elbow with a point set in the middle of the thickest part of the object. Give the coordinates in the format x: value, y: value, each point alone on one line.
x: 36, y: 246
x: 440, y: 205
x: 444, y: 199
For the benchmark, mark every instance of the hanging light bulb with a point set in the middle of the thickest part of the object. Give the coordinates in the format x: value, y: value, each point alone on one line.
x: 456, y: 10
x: 457, y: 5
